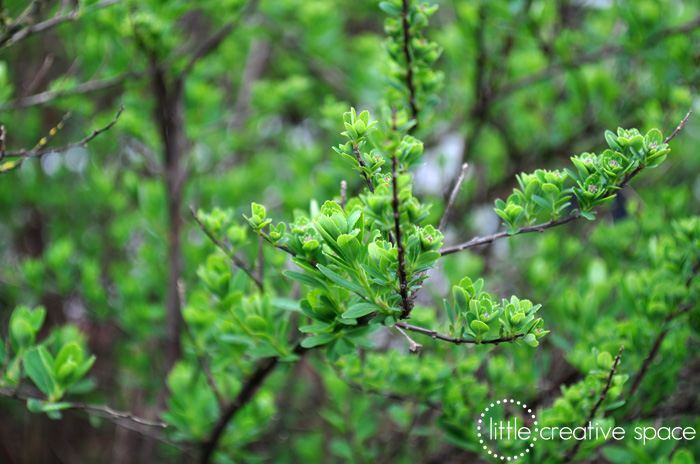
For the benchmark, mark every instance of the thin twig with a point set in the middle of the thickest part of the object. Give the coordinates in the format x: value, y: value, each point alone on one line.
x: 343, y: 193
x: 406, y: 304
x: 40, y: 149
x: 409, y: 64
x: 212, y: 43
x: 457, y: 341
x: 3, y: 147
x: 604, y: 394
x: 105, y: 411
x: 453, y: 197
x: 51, y: 23
x: 476, y: 241
x: 412, y: 345
x: 80, y: 89
x: 227, y: 251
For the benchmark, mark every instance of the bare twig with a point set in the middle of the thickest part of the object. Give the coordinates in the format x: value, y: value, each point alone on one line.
x: 457, y: 341
x: 213, y: 42
x: 80, y: 89
x: 409, y: 64
x: 103, y: 411
x: 3, y: 147
x: 227, y: 251
x: 547, y: 225
x: 9, y: 40
x: 41, y: 149
x: 406, y: 304
x: 412, y: 345
x: 343, y: 192
x: 604, y: 394
x: 455, y: 190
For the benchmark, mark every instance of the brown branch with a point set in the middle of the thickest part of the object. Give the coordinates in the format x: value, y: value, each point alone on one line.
x: 660, y: 338
x: 455, y: 190
x: 227, y: 251
x: 213, y: 42
x: 457, y: 341
x: 248, y: 391
x: 406, y: 304
x: 476, y: 241
x: 413, y: 346
x: 604, y: 394
x: 80, y: 89
x: 409, y: 64
x: 23, y: 154
x: 51, y: 23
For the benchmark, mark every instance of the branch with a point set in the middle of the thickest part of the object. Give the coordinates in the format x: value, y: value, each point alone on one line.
x: 412, y: 345
x: 572, y: 451
x: 406, y: 304
x: 453, y: 197
x: 50, y: 24
x: 409, y: 65
x: 227, y: 251
x: 457, y: 341
x: 684, y: 308
x: 356, y: 150
x: 213, y: 42
x: 94, y: 409
x: 250, y: 388
x: 476, y: 241
x: 40, y: 149
x: 86, y: 87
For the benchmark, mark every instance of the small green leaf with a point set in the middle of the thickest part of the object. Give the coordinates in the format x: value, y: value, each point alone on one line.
x: 359, y: 310
x: 39, y: 365
x: 317, y: 340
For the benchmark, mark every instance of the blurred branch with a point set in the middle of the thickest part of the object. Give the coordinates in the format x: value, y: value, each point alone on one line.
x: 409, y: 64
x: 457, y: 341
x: 455, y: 190
x: 548, y: 225
x: 213, y: 42
x: 80, y: 89
x: 604, y: 394
x: 40, y: 149
x: 250, y: 387
x: 684, y: 308
x: 198, y: 352
x: 94, y: 409
x: 227, y: 251
x: 16, y: 33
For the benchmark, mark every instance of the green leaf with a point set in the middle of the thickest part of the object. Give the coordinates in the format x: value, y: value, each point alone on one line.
x: 305, y: 279
x: 39, y: 365
x: 317, y: 340
x: 359, y: 310
x: 531, y: 340
x: 389, y: 8
x: 338, y: 279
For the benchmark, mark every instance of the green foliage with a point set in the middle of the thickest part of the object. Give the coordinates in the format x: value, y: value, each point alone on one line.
x: 295, y: 314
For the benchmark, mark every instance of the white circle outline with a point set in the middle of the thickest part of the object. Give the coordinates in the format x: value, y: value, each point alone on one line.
x: 488, y: 448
